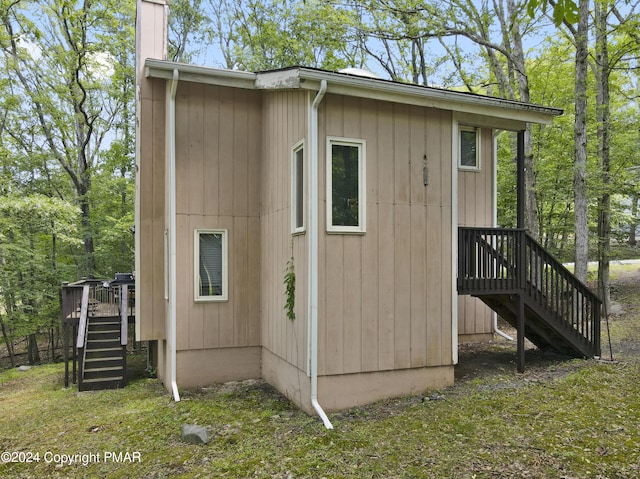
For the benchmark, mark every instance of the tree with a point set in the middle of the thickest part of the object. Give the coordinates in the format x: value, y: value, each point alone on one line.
x: 59, y: 63
x: 258, y: 35
x: 496, y: 28
x: 581, y: 39
x: 66, y: 154
x: 188, y: 30
x: 31, y: 230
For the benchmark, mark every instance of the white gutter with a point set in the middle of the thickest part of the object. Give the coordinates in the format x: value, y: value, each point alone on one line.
x: 173, y: 311
x: 495, y: 219
x: 342, y: 84
x: 313, y: 252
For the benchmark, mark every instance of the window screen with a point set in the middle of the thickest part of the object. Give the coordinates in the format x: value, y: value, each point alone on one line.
x: 211, y: 282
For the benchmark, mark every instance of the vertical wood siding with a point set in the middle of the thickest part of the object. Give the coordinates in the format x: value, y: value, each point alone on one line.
x: 150, y: 182
x: 218, y: 167
x: 385, y: 295
x: 475, y: 208
x: 284, y: 125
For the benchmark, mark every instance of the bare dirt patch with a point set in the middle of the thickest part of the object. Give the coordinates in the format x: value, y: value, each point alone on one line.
x: 494, y: 362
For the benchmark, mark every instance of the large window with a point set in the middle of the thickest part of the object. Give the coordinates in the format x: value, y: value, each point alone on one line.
x: 211, y: 265
x: 297, y: 189
x: 469, y: 149
x: 345, y: 185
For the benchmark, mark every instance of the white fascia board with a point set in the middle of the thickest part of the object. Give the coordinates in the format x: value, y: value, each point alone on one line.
x: 198, y: 74
x: 279, y: 80
x: 432, y: 97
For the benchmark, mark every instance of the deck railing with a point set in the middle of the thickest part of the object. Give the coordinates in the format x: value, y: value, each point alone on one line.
x: 510, y: 261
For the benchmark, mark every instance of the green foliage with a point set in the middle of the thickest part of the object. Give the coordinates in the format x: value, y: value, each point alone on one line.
x: 32, y: 228
x: 267, y: 34
x: 563, y: 10
x: 66, y: 151
x: 290, y: 290
x: 188, y: 29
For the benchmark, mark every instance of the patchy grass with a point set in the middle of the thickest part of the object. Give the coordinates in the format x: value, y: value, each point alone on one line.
x: 572, y: 419
x: 583, y: 425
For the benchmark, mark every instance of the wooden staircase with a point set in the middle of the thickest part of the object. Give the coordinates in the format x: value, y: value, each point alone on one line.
x: 516, y: 277
x: 98, y: 313
x: 104, y: 364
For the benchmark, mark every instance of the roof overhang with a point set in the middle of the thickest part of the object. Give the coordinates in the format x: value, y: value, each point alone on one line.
x: 197, y: 74
x: 477, y: 109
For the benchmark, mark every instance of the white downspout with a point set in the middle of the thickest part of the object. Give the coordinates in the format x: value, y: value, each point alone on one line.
x: 454, y: 240
x: 173, y: 311
x: 495, y: 219
x: 313, y: 252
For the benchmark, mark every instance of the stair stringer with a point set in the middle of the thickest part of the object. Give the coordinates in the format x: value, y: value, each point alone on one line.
x: 541, y: 328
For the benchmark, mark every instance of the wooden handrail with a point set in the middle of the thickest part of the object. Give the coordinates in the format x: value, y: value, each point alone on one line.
x: 84, y: 310
x: 557, y: 265
x: 124, y: 313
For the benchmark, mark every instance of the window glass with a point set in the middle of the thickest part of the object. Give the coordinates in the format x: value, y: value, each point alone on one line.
x: 211, y: 265
x: 345, y: 181
x: 298, y: 189
x: 468, y: 148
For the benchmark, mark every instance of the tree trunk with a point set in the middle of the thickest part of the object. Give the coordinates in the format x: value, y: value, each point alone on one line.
x: 9, y: 343
x: 634, y: 221
x: 85, y: 220
x: 604, y: 127
x: 9, y: 302
x: 32, y: 349
x: 519, y: 65
x: 580, y: 148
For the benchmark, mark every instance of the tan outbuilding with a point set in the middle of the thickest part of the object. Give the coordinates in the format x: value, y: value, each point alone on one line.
x: 359, y: 184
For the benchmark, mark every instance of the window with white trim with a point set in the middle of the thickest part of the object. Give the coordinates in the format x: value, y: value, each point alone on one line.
x: 469, y: 148
x: 297, y: 188
x: 346, y: 185
x: 211, y: 260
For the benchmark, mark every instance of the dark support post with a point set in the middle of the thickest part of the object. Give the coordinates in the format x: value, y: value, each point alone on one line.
x: 520, y: 331
x: 65, y: 334
x: 520, y: 224
x: 65, y: 342
x: 75, y: 354
x: 520, y: 181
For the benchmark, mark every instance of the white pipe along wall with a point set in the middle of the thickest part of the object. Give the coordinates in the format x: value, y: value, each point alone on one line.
x: 313, y: 252
x: 173, y: 310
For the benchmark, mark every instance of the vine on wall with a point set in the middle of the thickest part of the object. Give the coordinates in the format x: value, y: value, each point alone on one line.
x: 290, y: 290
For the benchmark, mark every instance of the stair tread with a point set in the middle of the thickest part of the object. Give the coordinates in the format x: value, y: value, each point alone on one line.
x: 103, y: 380
x: 104, y: 369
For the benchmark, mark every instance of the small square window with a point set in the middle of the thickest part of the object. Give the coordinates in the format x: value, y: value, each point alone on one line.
x: 211, y: 265
x: 469, y: 149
